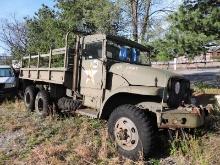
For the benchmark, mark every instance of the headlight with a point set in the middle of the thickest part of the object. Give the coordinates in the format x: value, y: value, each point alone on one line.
x: 177, y: 88
x: 9, y: 85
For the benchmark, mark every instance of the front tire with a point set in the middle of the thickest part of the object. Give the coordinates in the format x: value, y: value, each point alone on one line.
x: 42, y: 103
x: 133, y: 131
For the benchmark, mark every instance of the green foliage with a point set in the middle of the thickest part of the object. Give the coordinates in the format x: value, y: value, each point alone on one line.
x: 3, y: 157
x: 200, y: 86
x: 89, y: 15
x: 193, y: 148
x: 164, y: 50
x: 44, y: 31
x: 155, y: 162
x: 48, y: 27
x: 193, y: 26
x: 162, y: 56
x: 57, y: 61
x: 201, y: 16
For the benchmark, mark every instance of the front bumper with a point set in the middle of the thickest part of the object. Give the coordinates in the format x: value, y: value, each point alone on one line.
x: 183, y: 117
x: 7, y: 92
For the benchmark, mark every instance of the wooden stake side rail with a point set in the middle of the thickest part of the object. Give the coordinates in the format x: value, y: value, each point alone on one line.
x: 47, y: 74
x: 54, y: 52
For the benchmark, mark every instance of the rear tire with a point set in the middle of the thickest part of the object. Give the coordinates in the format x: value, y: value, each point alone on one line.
x: 42, y: 103
x: 133, y: 131
x: 29, y: 97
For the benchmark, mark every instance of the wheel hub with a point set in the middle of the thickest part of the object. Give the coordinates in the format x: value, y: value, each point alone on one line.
x: 126, y: 133
x: 123, y: 134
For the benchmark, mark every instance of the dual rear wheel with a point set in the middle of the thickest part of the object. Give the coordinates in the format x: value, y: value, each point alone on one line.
x: 131, y: 128
x: 37, y: 100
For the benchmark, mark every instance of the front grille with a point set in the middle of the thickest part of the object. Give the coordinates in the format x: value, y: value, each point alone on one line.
x: 184, y: 94
x: 2, y: 86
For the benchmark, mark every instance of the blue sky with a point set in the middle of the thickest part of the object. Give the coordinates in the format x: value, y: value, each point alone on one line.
x: 21, y: 9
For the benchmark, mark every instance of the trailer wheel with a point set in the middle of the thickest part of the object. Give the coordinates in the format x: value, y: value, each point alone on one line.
x: 42, y: 103
x: 132, y: 130
x: 29, y: 97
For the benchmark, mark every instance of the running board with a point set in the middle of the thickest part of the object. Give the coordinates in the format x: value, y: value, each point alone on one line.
x: 87, y: 112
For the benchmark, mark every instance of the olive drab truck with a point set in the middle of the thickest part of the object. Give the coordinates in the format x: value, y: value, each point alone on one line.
x: 110, y: 78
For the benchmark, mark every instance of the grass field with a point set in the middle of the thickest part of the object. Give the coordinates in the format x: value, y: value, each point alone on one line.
x: 27, y: 139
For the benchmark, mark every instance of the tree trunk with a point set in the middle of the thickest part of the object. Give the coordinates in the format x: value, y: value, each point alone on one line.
x: 145, y: 21
x: 134, y: 14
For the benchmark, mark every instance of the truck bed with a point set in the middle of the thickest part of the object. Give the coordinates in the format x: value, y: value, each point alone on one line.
x: 47, y: 67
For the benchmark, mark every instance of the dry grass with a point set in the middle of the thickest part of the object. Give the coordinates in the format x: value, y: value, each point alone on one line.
x: 48, y: 154
x: 203, y: 88
x: 28, y: 139
x: 203, y: 146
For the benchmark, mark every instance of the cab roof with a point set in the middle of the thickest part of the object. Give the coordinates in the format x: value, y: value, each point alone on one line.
x: 5, y: 66
x: 118, y: 39
x: 129, y: 42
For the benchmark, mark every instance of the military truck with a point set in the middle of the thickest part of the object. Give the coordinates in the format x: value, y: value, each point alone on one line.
x: 110, y: 78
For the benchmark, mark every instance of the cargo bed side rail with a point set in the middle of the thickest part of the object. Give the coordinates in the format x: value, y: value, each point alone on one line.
x: 49, y: 67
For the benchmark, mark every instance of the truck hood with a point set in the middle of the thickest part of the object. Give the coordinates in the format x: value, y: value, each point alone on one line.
x: 142, y: 75
x: 7, y: 80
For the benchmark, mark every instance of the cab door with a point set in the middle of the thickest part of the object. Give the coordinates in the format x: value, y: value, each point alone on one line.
x: 93, y: 71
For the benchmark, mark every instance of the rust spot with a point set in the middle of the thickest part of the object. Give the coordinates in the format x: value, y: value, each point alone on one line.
x: 196, y: 110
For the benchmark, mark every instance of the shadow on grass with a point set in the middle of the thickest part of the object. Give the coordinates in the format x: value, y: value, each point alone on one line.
x: 205, y: 99
x: 162, y: 145
x: 5, y: 100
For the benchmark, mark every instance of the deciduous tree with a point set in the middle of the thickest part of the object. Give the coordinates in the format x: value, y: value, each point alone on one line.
x: 140, y: 16
x: 13, y: 35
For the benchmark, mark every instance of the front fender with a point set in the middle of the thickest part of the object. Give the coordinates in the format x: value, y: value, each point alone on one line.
x: 137, y: 90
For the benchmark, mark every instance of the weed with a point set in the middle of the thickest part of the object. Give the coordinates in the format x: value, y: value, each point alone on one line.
x: 3, y: 158
x: 193, y: 149
x: 56, y: 140
x: 201, y: 87
x: 155, y: 162
x: 97, y: 124
x: 2, y: 129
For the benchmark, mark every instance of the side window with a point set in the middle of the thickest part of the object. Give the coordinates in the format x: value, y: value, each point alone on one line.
x: 113, y: 52
x: 93, y: 50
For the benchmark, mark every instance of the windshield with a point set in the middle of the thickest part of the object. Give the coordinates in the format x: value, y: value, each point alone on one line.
x: 6, y: 72
x: 125, y: 53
